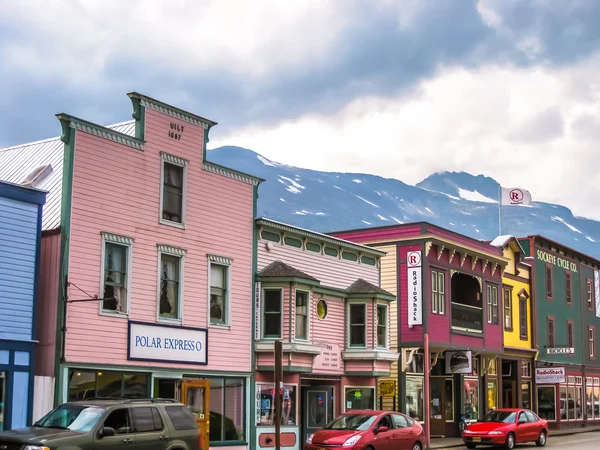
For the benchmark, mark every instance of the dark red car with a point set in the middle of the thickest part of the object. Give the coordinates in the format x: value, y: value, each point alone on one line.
x: 507, y: 427
x: 369, y: 430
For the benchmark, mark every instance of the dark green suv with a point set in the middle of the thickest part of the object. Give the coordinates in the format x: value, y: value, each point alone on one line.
x: 103, y: 424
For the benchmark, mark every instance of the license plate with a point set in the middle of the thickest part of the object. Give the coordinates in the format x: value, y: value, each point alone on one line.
x: 476, y: 439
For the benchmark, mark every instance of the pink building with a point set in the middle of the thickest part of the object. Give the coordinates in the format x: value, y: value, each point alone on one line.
x: 147, y: 267
x: 320, y: 295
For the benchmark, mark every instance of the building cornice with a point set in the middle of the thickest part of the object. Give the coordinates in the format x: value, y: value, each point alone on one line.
x: 67, y: 122
x: 233, y: 174
x: 172, y: 111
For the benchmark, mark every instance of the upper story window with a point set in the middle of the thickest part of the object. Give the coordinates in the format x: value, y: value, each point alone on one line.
x: 358, y: 324
x: 116, y: 268
x: 173, y: 189
x: 272, y: 313
x: 170, y: 292
x: 492, y: 302
x: 568, y: 291
x: 548, y: 281
x: 550, y: 328
x: 592, y: 341
x: 438, y: 292
x: 508, y: 319
x: 382, y: 321
x: 302, y: 303
x: 220, y: 305
x: 523, y: 319
x: 590, y: 294
x: 570, y: 336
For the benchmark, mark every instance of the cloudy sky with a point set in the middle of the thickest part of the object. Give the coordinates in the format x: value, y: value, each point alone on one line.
x: 397, y: 88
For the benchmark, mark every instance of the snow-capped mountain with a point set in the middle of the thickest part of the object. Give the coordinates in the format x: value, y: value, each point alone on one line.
x: 467, y: 204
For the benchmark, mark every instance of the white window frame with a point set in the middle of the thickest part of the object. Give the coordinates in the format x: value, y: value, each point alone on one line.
x: 180, y: 253
x: 387, y: 325
x: 223, y: 262
x: 123, y: 241
x: 263, y: 304
x: 177, y: 161
x: 438, y: 306
x: 373, y: 388
x: 349, y: 326
x: 592, y: 342
x: 308, y: 311
x: 491, y: 307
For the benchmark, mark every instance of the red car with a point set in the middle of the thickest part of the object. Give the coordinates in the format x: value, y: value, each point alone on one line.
x: 369, y: 430
x: 507, y: 427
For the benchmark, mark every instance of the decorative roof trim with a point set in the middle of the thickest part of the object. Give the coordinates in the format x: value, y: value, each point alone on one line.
x: 233, y: 174
x: 117, y: 239
x: 97, y: 130
x: 319, y: 236
x: 177, y: 251
x: 220, y: 259
x: 174, y: 159
x: 172, y: 111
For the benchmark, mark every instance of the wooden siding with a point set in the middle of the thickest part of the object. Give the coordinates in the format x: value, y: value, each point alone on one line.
x: 512, y: 338
x: 331, y: 329
x: 330, y: 271
x: 386, y: 234
x: 47, y: 305
x: 18, y: 241
x: 125, y: 201
x: 589, y: 318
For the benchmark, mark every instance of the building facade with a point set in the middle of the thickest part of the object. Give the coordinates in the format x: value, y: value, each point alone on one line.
x: 153, y: 270
x: 566, y: 288
x: 516, y: 366
x: 20, y: 229
x: 321, y: 297
x: 449, y: 288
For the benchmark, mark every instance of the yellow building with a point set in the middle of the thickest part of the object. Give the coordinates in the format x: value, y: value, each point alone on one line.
x: 513, y: 372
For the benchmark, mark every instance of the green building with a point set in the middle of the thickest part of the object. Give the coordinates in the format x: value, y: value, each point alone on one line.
x: 566, y: 308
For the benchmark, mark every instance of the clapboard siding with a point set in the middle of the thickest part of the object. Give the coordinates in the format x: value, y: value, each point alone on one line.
x: 18, y: 241
x: 333, y: 272
x: 329, y: 330
x: 126, y: 201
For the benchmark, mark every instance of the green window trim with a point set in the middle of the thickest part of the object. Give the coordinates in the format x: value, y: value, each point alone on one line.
x: 270, y: 236
x: 368, y: 261
x: 382, y: 311
x: 330, y: 251
x: 292, y: 242
x: 362, y: 325
x: 349, y: 256
x: 313, y: 247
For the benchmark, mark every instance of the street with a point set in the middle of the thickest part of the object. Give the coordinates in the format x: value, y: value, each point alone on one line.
x: 582, y: 441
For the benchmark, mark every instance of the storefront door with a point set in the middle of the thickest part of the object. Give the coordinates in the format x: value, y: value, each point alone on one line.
x: 196, y: 395
x: 437, y: 407
x: 509, y: 395
x: 317, y: 409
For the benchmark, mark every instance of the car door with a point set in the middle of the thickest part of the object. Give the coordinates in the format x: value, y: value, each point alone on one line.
x: 403, y: 436
x: 522, y: 429
x: 118, y: 420
x: 383, y: 439
x: 149, y: 427
x: 534, y: 427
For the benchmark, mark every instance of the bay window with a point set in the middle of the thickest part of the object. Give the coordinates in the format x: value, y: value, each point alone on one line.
x: 358, y: 324
x: 302, y: 305
x: 272, y: 313
x: 382, y: 320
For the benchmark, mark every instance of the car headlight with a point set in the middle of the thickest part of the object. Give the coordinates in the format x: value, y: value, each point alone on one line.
x: 467, y: 431
x: 353, y: 440
x: 36, y: 447
x: 309, y: 438
x: 496, y: 432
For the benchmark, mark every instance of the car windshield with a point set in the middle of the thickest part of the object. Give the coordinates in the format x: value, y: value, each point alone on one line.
x: 72, y: 417
x: 500, y: 416
x: 358, y: 422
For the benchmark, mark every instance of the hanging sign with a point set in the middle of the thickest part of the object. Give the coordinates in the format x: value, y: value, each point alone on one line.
x: 387, y: 388
x: 459, y: 362
x: 414, y: 284
x: 550, y: 375
x: 561, y: 351
x: 257, y: 293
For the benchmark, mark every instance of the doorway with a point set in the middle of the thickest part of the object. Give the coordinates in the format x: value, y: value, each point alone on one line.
x: 195, y: 394
x: 441, y: 405
x: 317, y: 408
x: 509, y: 384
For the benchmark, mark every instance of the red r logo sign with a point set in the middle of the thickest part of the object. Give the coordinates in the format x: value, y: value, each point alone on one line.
x: 414, y: 259
x: 516, y: 195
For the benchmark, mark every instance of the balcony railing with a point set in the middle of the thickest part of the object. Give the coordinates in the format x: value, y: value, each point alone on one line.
x: 467, y: 318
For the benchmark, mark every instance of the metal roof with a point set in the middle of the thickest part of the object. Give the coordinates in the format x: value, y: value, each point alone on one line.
x: 18, y: 162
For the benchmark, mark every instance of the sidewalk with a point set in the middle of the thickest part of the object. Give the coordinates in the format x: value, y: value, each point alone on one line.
x: 442, y: 443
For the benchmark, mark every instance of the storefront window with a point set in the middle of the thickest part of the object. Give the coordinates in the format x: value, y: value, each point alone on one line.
x: 471, y: 387
x: 359, y: 398
x: 596, y: 400
x: 414, y: 397
x: 579, y: 402
x: 526, y: 394
x: 492, y: 394
x: 546, y: 402
x: 2, y: 398
x: 86, y: 384
x: 416, y: 364
x: 226, y: 409
x: 449, y: 400
x: 267, y: 404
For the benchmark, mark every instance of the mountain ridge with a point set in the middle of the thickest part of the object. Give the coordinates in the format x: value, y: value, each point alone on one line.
x: 458, y: 201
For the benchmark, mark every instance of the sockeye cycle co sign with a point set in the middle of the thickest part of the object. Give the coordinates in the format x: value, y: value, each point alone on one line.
x: 415, y: 301
x: 151, y: 342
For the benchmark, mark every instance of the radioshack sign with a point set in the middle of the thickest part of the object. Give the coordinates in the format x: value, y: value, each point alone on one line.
x: 550, y: 375
x: 415, y: 301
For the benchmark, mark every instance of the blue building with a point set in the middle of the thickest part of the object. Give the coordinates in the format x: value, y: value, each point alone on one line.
x: 20, y: 235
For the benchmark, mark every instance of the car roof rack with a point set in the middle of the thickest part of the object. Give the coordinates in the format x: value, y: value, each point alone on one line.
x: 133, y: 400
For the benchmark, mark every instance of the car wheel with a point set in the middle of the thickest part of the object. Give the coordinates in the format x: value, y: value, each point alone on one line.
x: 510, y: 441
x: 542, y: 439
x: 470, y: 446
x: 417, y: 446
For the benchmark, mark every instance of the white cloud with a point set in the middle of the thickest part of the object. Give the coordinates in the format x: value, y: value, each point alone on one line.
x: 536, y: 128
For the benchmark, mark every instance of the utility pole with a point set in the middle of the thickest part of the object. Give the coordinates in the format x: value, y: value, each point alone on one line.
x: 278, y: 393
x: 427, y: 413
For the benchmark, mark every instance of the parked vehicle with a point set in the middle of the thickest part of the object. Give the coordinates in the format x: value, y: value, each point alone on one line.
x: 507, y: 427
x: 369, y: 429
x: 92, y: 424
